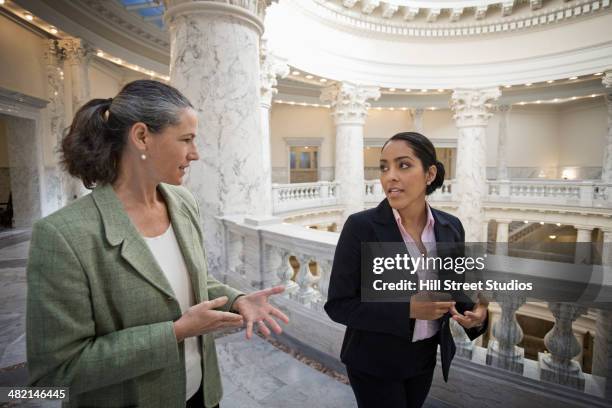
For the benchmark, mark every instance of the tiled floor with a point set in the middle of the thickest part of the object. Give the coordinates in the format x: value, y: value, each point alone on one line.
x: 255, y: 373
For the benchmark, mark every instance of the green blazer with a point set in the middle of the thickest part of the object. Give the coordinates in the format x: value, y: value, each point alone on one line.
x: 100, y: 310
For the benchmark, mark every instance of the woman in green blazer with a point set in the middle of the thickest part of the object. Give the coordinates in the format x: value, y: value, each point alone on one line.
x: 109, y: 314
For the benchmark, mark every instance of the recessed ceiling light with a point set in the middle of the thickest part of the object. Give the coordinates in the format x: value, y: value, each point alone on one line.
x: 572, y: 78
x: 558, y: 224
x: 322, y: 80
x: 291, y: 103
x: 391, y: 89
x: 550, y: 81
x: 432, y: 108
x: 526, y: 222
x: 118, y: 61
x: 279, y: 101
x: 404, y: 108
x: 574, y: 98
x: 100, y: 54
x: 408, y: 90
x: 440, y: 90
x: 309, y: 77
x: 541, y: 222
x: 538, y: 101
x: 392, y: 109
x: 521, y: 103
x: 378, y: 108
x: 593, y: 96
x: 507, y: 86
x: 552, y: 236
x: 556, y: 100
x: 599, y: 73
x: 29, y: 17
x: 528, y: 84
x: 1, y: 2
x: 295, y: 73
x: 53, y: 30
x: 423, y: 90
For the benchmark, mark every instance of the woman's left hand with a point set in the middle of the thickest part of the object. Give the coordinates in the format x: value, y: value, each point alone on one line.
x: 255, y: 308
x: 471, y: 319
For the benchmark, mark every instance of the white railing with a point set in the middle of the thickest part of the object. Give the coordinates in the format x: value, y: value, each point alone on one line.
x: 299, y: 196
x: 585, y: 194
x: 588, y: 193
x: 301, y: 260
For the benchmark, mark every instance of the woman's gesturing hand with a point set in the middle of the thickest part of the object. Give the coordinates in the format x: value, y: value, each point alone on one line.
x: 424, y: 307
x: 202, y: 318
x: 255, y: 308
x: 470, y: 319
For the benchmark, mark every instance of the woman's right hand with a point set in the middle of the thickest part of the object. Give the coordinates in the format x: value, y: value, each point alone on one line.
x: 423, y: 306
x: 202, y: 318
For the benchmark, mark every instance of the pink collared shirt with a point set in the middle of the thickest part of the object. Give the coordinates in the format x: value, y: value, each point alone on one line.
x: 423, y: 329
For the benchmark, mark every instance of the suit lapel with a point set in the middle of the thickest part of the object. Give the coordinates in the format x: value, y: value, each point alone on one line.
x: 119, y: 230
x: 182, y: 223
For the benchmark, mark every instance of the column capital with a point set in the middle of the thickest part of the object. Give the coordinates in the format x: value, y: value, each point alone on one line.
x: 504, y: 108
x: 271, y: 66
x: 349, y: 101
x: 249, y: 11
x: 75, y: 50
x: 472, y: 106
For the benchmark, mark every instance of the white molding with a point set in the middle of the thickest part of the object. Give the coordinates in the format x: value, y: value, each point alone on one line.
x: 444, y: 143
x: 303, y: 141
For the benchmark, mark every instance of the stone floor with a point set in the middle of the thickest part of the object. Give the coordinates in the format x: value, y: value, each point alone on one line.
x: 254, y: 373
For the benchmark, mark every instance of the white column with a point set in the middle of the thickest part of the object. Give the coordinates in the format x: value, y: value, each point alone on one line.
x: 214, y: 61
x: 349, y: 109
x: 472, y: 112
x: 417, y: 119
x: 502, y: 136
x: 502, y: 237
x: 56, y: 111
x: 606, y: 170
x: 583, y: 245
x: 271, y: 66
x: 606, y: 255
x: 78, y: 56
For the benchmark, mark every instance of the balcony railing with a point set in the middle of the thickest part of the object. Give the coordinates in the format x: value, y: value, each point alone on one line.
x: 300, y: 196
x: 585, y: 194
x: 301, y: 260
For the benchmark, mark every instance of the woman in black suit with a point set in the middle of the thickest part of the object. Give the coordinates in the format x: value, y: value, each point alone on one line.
x: 390, y: 348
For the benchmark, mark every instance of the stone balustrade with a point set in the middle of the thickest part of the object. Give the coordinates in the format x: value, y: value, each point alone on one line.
x: 267, y: 252
x: 299, y: 196
x: 585, y: 194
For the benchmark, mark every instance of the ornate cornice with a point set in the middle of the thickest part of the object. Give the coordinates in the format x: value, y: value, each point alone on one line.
x: 472, y: 107
x: 387, y: 18
x: 76, y: 51
x: 349, y: 101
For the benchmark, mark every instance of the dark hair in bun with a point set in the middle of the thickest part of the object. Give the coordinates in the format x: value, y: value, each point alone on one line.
x: 425, y: 151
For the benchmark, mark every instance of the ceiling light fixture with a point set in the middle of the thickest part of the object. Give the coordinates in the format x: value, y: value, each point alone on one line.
x: 408, y: 90
x: 558, y: 224
x: 528, y: 84
x: 526, y: 222
x: 391, y: 89
x: 295, y: 73
x: 593, y: 96
x: 440, y: 90
x: 29, y: 17
x: 100, y: 54
x: 309, y: 77
x: 572, y: 78
x: 552, y: 236
x: 599, y: 73
x: 550, y: 81
x: 507, y: 86
x: 538, y: 101
x: 323, y: 80
x: 53, y: 30
x: 521, y: 103
x: 574, y: 98
x: 423, y: 90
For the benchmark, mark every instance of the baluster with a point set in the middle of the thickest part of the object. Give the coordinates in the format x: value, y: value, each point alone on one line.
x: 558, y: 366
x: 503, y: 352
x: 323, y: 281
x: 465, y: 346
x: 285, y: 273
x: 236, y: 254
x: 305, y: 294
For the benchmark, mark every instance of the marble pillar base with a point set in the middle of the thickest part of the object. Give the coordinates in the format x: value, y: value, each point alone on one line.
x: 571, y: 376
x: 512, y: 362
x: 465, y: 349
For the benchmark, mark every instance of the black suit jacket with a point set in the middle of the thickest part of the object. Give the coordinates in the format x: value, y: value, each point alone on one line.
x: 378, y: 338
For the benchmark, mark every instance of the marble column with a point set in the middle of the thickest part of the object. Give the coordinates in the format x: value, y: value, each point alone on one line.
x: 583, y: 245
x: 78, y: 56
x: 271, y: 67
x: 502, y: 136
x: 417, y: 119
x: 214, y: 61
x: 56, y: 111
x: 472, y: 112
x: 349, y: 109
x: 502, y: 237
x: 602, y: 348
x: 606, y: 170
